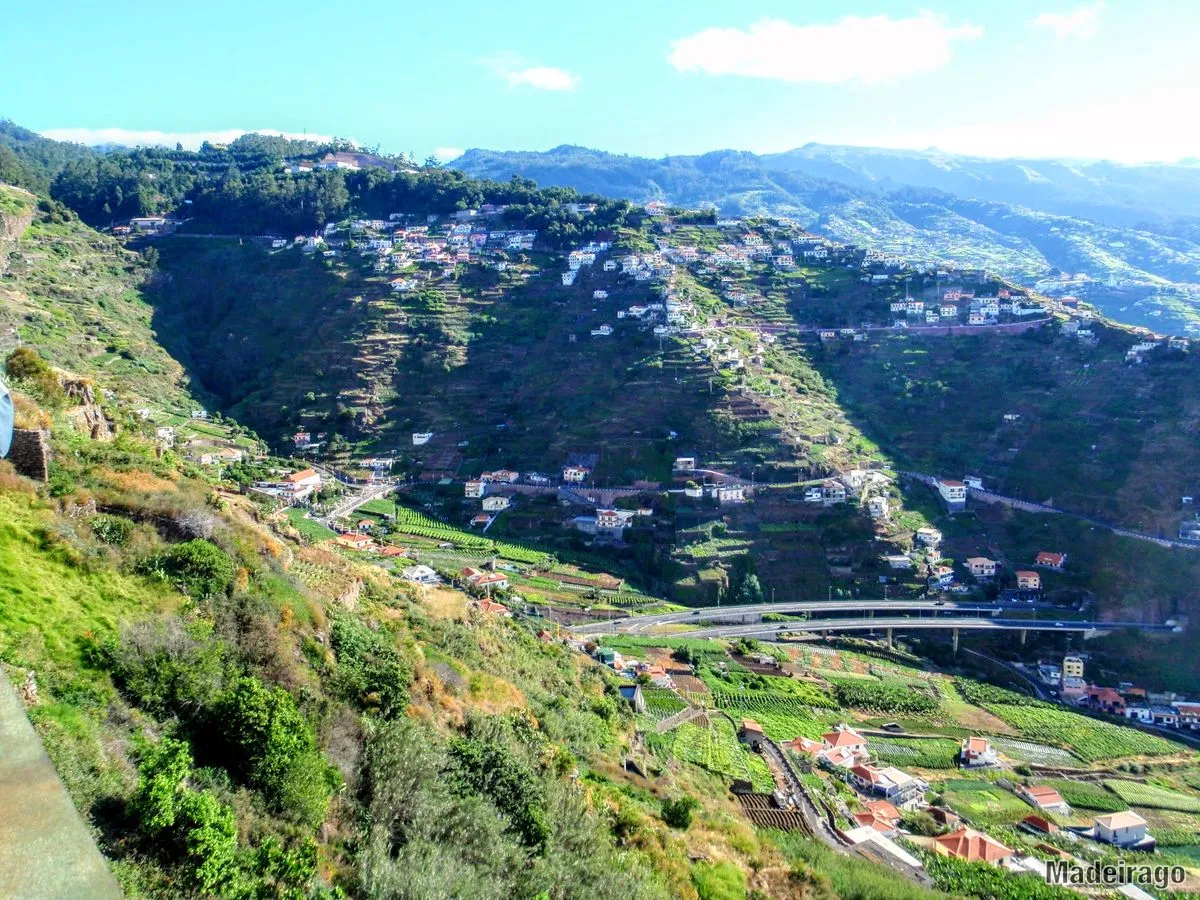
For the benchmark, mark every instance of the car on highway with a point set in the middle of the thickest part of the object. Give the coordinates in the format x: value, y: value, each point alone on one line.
x: 1059, y: 625
x: 939, y: 602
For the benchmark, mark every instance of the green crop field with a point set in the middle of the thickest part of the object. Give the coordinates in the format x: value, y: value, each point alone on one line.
x: 310, y: 528
x: 1088, y: 795
x: 987, y: 805
x: 1090, y: 739
x: 924, y: 753
x: 1152, y: 797
x: 1027, y: 751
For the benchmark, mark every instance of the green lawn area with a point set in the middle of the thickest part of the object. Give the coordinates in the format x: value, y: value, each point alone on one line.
x: 986, y: 805
x: 310, y: 528
x: 51, y: 604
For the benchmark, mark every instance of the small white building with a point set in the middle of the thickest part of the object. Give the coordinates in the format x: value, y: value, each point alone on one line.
x: 977, y: 751
x: 1123, y: 829
x: 420, y: 575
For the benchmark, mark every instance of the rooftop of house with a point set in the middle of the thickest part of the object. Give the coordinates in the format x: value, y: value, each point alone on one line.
x: 843, y: 737
x: 1043, y: 794
x: 977, y: 745
x: 751, y: 725
x: 1126, y: 819
x: 883, y: 809
x: 973, y: 846
x: 300, y: 476
x: 873, y: 820
x: 1041, y: 823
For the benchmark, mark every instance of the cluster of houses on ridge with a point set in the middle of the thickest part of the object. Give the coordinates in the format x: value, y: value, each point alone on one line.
x: 887, y: 791
x: 959, y: 304
x: 1165, y: 709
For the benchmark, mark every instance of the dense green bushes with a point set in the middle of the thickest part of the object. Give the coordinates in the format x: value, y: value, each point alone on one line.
x: 197, y: 829
x: 439, y: 822
x: 370, y: 670
x: 182, y: 821
x: 677, y: 811
x: 886, y: 697
x: 199, y: 568
x: 24, y: 366
x: 263, y: 739
x: 167, y: 667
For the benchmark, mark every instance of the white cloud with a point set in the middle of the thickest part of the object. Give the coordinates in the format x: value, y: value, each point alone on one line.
x: 445, y: 154
x: 545, y: 78
x: 869, y: 50
x: 517, y: 71
x: 191, y: 140
x: 1078, y: 23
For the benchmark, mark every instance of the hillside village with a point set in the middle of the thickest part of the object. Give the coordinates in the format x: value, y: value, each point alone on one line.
x: 861, y: 746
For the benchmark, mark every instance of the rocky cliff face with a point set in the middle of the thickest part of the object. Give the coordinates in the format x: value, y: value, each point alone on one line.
x: 88, y: 415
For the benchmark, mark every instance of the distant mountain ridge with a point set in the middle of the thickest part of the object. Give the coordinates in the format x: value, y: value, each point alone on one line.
x: 1112, y: 193
x: 1134, y: 227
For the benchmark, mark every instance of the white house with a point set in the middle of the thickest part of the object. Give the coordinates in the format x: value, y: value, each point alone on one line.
x: 878, y: 507
x: 495, y: 504
x: 953, y: 494
x: 420, y: 575
x: 981, y: 567
x: 731, y: 493
x: 977, y: 751
x: 575, y: 474
x: 474, y: 489
x: 599, y: 295
x: 1123, y: 829
x: 833, y: 492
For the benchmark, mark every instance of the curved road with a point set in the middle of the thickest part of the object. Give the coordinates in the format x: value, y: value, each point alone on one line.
x: 636, y: 624
x: 767, y: 629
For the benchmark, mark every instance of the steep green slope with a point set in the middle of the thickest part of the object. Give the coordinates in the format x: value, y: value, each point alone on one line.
x: 1094, y: 433
x: 76, y: 296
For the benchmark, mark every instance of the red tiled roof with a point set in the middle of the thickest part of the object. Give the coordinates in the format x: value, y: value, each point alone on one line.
x: 973, y: 846
x: 845, y: 738
x: 299, y: 476
x: 883, y: 809
x: 877, y: 822
x: 977, y: 745
x: 1046, y: 558
x: 1043, y: 795
x: 1041, y: 824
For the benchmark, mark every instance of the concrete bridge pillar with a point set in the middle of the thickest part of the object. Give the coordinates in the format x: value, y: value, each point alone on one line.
x: 1024, y: 632
x: 954, y: 638
x: 889, y: 637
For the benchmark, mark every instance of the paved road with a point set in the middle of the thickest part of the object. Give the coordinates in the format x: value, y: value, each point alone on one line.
x: 46, y: 852
x: 1032, y: 506
x: 768, y: 629
x: 636, y: 624
x: 351, y: 503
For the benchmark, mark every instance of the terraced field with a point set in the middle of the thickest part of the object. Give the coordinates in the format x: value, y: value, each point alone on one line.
x: 1088, y: 738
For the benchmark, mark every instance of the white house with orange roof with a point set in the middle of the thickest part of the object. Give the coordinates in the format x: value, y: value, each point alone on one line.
x: 977, y: 751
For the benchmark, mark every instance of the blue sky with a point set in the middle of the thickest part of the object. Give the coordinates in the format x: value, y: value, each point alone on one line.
x: 1116, y: 79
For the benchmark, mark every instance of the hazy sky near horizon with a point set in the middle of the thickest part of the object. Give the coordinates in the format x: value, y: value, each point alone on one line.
x: 1115, y: 79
